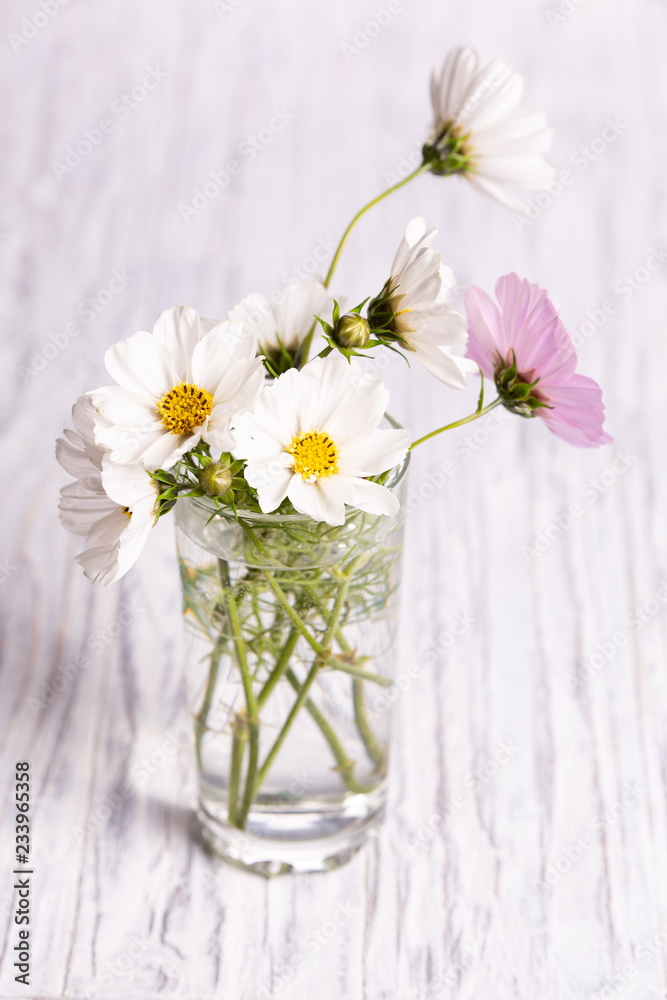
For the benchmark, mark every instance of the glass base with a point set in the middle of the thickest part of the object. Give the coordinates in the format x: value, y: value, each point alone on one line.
x: 307, y: 836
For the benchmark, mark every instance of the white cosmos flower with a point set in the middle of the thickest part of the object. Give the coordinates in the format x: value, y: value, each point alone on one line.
x: 176, y: 385
x: 288, y: 320
x: 477, y: 116
x: 111, y: 506
x: 313, y: 438
x: 420, y: 286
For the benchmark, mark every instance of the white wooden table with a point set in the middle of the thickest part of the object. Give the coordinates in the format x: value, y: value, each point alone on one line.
x: 525, y: 853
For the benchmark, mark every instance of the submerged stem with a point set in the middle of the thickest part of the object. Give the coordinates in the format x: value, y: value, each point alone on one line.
x: 202, y: 716
x: 238, y: 746
x: 251, y: 701
x: 345, y: 765
x: 373, y: 748
x: 312, y: 673
x: 279, y: 669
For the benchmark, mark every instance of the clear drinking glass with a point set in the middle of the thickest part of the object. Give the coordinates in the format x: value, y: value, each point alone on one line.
x: 290, y: 628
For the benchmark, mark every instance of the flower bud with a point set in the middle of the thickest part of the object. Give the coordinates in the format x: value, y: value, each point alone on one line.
x: 351, y: 330
x: 215, y: 479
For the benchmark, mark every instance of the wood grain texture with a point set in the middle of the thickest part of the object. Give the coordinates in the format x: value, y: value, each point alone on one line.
x: 454, y: 899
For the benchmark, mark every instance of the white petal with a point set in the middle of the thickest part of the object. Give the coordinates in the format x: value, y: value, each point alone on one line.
x: 296, y: 309
x: 360, y: 412
x: 80, y: 510
x: 318, y: 500
x: 501, y: 100
x: 127, y: 485
x: 240, y: 385
x: 497, y: 191
x: 119, y: 406
x: 272, y: 482
x: 374, y: 453
x: 142, y: 365
x: 179, y: 330
x: 164, y: 449
x: 223, y: 346
x: 206, y: 324
x: 448, y: 368
x: 107, y: 530
x: 530, y: 172
x: 257, y: 312
x: 327, y: 389
x: 77, y: 463
x: 363, y: 494
x: 100, y: 564
x: 448, y: 89
x: 256, y: 439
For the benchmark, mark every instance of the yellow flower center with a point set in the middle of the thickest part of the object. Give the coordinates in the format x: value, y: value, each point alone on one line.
x: 315, y: 455
x: 127, y: 512
x: 185, y: 407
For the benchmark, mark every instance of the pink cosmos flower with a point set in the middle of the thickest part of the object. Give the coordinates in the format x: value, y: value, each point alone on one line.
x: 525, y: 347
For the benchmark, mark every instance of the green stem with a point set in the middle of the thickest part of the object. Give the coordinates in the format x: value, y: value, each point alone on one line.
x: 251, y: 701
x: 373, y: 748
x: 459, y: 423
x: 345, y: 765
x: 202, y: 716
x: 322, y: 652
x: 279, y: 669
x: 305, y: 347
x: 312, y: 673
x: 280, y: 738
x: 364, y: 675
x: 253, y: 759
x: 415, y: 173
x: 375, y: 752
x: 238, y: 746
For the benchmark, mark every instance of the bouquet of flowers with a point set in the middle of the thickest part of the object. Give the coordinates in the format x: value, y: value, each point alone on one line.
x: 269, y: 435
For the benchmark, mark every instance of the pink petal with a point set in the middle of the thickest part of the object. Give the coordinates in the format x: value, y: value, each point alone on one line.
x: 485, y: 334
x: 533, y: 328
x: 578, y: 412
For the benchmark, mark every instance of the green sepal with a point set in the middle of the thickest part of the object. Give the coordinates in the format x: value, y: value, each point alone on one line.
x: 327, y: 327
x: 163, y: 477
